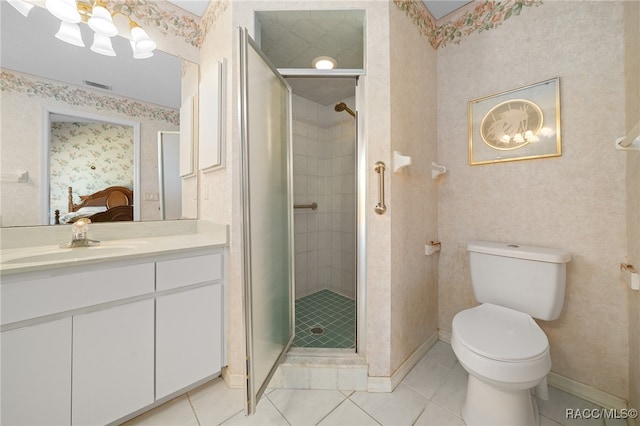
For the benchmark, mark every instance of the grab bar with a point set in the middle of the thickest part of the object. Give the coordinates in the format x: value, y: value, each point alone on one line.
x: 312, y: 206
x: 380, y: 208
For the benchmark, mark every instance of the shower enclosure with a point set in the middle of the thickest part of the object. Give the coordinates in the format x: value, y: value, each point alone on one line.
x: 324, y: 185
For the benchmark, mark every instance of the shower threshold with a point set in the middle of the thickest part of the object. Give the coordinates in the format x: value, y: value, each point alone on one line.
x: 322, y: 368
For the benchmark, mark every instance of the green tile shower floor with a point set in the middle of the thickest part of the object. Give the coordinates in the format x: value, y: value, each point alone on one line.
x: 329, y: 313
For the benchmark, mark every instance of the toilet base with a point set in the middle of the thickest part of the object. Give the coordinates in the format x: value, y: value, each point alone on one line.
x: 486, y: 404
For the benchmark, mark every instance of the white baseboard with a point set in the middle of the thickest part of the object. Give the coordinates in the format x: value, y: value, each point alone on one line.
x: 568, y: 385
x: 585, y: 392
x: 233, y: 381
x: 388, y: 384
x: 444, y: 335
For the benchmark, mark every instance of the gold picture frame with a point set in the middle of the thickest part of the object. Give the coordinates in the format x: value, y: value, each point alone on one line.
x: 519, y: 124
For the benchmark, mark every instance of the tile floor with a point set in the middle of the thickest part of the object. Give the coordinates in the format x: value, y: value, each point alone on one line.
x: 431, y: 394
x: 334, y: 313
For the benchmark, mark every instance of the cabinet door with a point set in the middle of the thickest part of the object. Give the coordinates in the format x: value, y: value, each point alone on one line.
x: 188, y: 338
x: 112, y: 363
x: 36, y: 374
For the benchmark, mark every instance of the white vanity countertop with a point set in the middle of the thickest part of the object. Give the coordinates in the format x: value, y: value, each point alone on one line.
x: 32, y: 249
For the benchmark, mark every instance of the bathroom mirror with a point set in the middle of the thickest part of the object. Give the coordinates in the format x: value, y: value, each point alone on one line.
x: 43, y: 77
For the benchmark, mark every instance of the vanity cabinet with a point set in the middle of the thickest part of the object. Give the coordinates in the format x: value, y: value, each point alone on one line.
x: 36, y: 374
x: 112, y: 363
x: 188, y: 323
x: 93, y: 345
x: 188, y: 329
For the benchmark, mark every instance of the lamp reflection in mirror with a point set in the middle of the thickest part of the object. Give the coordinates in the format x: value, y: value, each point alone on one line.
x: 21, y: 6
x: 70, y: 33
x: 64, y: 10
x: 102, y: 45
x: 101, y: 21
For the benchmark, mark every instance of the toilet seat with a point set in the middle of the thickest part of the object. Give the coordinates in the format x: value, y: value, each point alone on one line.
x: 500, y: 333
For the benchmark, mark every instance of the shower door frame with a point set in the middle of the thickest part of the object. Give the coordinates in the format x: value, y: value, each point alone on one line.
x: 359, y: 76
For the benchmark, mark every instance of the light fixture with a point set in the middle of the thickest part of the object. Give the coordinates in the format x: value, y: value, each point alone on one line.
x: 21, y: 6
x: 102, y: 45
x: 64, y: 10
x: 95, y: 14
x: 137, y: 54
x: 70, y: 33
x: 101, y: 21
x: 143, y: 43
x: 324, y: 63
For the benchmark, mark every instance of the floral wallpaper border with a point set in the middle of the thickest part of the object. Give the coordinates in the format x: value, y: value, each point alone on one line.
x: 171, y: 20
x: 71, y: 95
x: 484, y: 16
x: 212, y: 14
x: 167, y: 19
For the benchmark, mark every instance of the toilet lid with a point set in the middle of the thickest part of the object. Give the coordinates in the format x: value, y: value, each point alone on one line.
x: 500, y: 333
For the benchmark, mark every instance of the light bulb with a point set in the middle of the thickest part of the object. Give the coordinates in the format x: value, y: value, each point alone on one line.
x: 324, y: 63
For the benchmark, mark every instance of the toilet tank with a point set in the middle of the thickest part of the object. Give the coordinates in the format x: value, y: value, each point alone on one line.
x: 528, y: 279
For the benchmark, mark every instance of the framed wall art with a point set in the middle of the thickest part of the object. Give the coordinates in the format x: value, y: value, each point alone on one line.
x: 519, y: 124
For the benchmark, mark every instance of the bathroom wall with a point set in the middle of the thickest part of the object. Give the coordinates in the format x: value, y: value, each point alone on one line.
x: 576, y: 202
x: 22, y: 100
x: 632, y: 88
x: 324, y: 172
x: 412, y: 197
x: 219, y: 190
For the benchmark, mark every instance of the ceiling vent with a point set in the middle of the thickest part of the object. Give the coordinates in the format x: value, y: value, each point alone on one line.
x: 97, y: 85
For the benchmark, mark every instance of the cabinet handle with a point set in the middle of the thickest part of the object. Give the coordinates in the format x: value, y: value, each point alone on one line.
x: 380, y: 208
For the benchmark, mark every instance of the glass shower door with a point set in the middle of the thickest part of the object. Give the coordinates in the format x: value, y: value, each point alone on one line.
x: 265, y: 100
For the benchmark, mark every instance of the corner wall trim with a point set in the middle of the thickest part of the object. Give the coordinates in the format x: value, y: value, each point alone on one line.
x: 388, y: 384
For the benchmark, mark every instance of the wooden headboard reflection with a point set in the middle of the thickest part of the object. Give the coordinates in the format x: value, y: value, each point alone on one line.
x: 110, y: 197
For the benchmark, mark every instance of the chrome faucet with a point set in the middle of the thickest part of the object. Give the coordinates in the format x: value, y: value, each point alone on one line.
x: 79, y: 237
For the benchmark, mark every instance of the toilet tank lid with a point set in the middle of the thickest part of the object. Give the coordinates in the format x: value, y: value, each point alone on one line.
x: 520, y: 251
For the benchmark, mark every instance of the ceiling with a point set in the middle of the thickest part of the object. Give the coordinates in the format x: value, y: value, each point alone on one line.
x: 441, y: 8
x: 197, y: 7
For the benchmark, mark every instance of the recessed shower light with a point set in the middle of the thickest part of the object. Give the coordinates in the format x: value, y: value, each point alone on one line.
x: 324, y: 63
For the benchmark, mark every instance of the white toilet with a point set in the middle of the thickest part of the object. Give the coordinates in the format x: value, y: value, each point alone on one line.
x: 499, y: 344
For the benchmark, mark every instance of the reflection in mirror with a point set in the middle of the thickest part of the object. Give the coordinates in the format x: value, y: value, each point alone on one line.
x: 169, y: 173
x: 43, y: 75
x: 86, y: 156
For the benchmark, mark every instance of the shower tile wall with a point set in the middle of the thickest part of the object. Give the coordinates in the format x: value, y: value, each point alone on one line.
x: 324, y: 172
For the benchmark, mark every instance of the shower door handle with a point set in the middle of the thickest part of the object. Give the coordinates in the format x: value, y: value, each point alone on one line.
x: 380, y: 208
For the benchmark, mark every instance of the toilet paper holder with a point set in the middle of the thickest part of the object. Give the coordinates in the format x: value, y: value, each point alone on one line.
x: 437, y: 170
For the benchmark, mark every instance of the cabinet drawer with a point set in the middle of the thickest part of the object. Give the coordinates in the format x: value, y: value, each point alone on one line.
x: 190, y: 270
x: 25, y: 299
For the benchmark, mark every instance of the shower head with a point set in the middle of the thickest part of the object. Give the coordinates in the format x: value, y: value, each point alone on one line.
x: 343, y: 107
